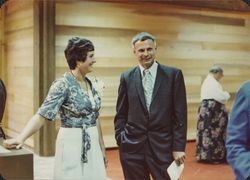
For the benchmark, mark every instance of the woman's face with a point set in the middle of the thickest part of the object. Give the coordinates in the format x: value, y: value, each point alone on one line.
x: 218, y: 76
x: 87, y: 66
x: 145, y: 52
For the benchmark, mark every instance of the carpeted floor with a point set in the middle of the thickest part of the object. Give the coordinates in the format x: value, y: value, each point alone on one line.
x: 192, y: 171
x: 43, y: 167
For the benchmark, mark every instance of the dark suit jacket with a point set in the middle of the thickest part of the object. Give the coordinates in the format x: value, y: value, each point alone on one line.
x: 238, y: 134
x: 164, y: 127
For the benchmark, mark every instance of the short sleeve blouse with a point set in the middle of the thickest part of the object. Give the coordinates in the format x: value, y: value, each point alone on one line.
x: 71, y: 101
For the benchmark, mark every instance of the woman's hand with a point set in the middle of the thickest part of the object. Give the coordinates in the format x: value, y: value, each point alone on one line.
x: 34, y: 124
x: 14, y: 143
x: 105, y: 161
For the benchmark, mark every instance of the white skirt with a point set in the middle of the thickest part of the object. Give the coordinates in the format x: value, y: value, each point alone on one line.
x: 68, y: 164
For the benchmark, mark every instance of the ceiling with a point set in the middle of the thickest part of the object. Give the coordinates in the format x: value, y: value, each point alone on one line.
x: 233, y: 5
x: 236, y: 5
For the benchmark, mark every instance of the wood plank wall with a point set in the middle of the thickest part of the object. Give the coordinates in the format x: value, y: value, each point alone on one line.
x: 2, y: 63
x: 190, y: 39
x: 18, y: 35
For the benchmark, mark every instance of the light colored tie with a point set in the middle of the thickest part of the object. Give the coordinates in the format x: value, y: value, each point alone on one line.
x: 147, y: 82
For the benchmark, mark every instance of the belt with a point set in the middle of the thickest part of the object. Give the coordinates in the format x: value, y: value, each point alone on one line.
x: 208, y: 100
x: 85, y: 139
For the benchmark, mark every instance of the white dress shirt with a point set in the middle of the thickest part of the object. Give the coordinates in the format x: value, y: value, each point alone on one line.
x: 212, y: 89
x: 152, y: 70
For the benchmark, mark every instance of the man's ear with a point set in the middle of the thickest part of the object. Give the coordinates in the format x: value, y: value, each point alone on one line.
x: 134, y: 50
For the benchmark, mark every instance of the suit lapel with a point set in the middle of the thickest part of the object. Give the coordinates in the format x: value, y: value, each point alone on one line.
x: 158, y: 81
x: 139, y: 88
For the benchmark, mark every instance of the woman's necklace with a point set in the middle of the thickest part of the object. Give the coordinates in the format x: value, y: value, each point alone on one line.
x: 83, y: 83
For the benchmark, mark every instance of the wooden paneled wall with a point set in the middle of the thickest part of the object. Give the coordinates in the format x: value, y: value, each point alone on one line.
x: 18, y: 45
x: 2, y: 62
x: 28, y: 46
x: 190, y: 39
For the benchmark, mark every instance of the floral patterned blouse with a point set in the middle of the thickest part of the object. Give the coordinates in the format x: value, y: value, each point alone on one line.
x: 74, y: 106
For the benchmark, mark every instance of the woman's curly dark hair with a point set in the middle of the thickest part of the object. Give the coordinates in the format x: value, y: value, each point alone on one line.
x: 77, y: 50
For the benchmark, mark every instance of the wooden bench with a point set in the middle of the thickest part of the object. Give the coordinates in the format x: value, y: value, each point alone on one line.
x: 16, y: 164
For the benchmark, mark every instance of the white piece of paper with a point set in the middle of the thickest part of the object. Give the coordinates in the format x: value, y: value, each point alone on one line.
x: 3, y: 150
x: 174, y: 171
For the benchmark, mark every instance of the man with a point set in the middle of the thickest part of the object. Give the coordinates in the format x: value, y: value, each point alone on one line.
x: 151, y: 118
x: 238, y: 134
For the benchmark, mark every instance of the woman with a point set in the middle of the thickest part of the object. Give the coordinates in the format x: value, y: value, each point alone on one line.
x: 79, y: 146
x: 212, y: 119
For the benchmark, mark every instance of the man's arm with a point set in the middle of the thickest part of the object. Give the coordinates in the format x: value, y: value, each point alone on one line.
x: 180, y: 118
x: 121, y: 110
x: 238, y: 134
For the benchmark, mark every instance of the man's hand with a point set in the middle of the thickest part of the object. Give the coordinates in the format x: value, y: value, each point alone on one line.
x: 179, y: 157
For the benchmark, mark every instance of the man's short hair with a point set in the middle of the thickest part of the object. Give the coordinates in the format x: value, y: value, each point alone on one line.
x: 142, y: 36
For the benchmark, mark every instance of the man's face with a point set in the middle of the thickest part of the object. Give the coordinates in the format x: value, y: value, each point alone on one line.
x: 145, y: 52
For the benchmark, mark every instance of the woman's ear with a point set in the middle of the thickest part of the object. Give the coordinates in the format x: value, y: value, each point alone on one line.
x: 78, y: 63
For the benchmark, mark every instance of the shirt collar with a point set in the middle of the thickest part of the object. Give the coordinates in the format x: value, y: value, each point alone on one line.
x: 152, y: 69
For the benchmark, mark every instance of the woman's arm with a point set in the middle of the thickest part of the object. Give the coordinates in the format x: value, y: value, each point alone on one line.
x: 101, y: 141
x: 34, y: 124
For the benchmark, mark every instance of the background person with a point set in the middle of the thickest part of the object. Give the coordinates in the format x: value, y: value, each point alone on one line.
x: 212, y: 119
x: 238, y: 134
x: 3, y: 96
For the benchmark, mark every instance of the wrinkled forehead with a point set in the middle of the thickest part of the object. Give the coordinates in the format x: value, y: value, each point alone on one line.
x: 144, y: 44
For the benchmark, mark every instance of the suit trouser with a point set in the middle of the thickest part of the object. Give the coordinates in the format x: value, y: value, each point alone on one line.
x: 142, y: 165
